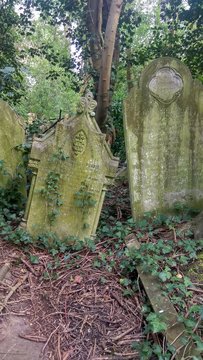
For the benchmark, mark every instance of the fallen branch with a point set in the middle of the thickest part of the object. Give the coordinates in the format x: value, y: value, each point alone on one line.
x: 11, y: 292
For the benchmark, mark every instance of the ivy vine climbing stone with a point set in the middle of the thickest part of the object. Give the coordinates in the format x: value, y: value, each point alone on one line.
x: 72, y: 167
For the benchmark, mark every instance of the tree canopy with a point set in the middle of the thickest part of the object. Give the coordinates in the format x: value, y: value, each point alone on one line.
x: 97, y: 44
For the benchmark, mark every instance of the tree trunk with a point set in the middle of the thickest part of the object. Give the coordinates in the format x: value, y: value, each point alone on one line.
x: 106, y: 62
x: 94, y: 25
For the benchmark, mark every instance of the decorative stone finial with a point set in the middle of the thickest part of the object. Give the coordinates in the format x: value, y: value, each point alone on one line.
x: 87, y: 104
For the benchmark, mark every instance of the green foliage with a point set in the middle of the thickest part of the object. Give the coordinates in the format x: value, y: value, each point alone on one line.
x: 59, y: 155
x: 147, y: 349
x: 155, y: 323
x: 50, y: 192
x: 11, y: 199
x: 11, y: 84
x: 164, y: 258
x: 116, y: 113
x: 49, y: 80
x: 175, y: 30
x: 84, y: 201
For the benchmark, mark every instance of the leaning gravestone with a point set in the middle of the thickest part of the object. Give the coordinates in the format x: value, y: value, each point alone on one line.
x: 72, y: 166
x: 12, y: 136
x: 163, y: 126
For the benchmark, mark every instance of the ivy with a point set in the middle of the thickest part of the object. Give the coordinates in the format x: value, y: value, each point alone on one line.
x: 51, y: 190
x: 83, y: 200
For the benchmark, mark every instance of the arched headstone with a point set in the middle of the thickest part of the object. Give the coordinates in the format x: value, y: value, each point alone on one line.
x: 163, y: 126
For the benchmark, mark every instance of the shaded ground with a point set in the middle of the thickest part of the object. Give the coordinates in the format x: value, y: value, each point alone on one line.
x: 74, y: 303
x: 76, y: 310
x: 80, y: 315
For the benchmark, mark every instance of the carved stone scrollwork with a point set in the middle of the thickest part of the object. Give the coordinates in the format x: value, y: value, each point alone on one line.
x: 87, y: 104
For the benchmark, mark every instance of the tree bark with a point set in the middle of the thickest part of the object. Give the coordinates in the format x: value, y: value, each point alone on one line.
x: 94, y: 25
x: 106, y: 62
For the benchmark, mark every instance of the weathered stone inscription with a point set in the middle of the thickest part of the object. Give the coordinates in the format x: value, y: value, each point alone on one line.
x: 166, y: 85
x: 163, y: 125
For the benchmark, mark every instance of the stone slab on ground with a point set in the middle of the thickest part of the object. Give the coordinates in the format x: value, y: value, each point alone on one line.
x: 13, y: 347
x: 176, y: 331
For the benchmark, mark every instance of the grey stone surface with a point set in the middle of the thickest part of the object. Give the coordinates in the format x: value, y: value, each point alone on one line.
x: 163, y: 126
x: 12, y: 347
x: 83, y: 173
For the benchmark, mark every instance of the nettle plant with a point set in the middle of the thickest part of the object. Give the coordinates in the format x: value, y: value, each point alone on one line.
x: 51, y: 190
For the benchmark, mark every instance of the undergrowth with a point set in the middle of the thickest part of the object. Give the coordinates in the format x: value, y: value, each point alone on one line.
x: 165, y: 257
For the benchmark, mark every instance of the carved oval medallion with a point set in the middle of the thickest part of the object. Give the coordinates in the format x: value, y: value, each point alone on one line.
x: 166, y: 85
x: 79, y: 143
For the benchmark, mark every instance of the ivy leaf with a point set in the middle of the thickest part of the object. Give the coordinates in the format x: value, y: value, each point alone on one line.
x: 164, y: 275
x: 155, y: 323
x: 34, y: 259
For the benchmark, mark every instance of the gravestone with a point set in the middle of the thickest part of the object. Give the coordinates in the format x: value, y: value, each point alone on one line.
x: 72, y: 167
x: 163, y: 125
x: 12, y: 136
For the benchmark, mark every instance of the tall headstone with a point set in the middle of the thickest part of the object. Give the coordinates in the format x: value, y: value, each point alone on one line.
x: 163, y: 125
x: 12, y: 136
x: 72, y: 167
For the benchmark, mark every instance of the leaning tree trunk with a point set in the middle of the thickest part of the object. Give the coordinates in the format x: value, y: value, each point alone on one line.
x: 106, y: 62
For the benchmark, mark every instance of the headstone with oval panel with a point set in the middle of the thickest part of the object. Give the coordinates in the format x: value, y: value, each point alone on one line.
x: 72, y: 167
x: 163, y: 125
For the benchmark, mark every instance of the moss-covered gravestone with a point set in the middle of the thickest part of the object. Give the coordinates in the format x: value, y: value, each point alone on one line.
x: 72, y: 167
x: 12, y: 136
x: 163, y: 125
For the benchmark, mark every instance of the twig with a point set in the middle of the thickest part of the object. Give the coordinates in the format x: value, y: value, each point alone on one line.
x: 59, y: 347
x: 13, y: 289
x: 83, y: 323
x: 123, y: 334
x: 33, y: 338
x: 174, y: 234
x: 177, y: 337
x: 50, y: 336
x: 29, y: 267
x: 195, y: 289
